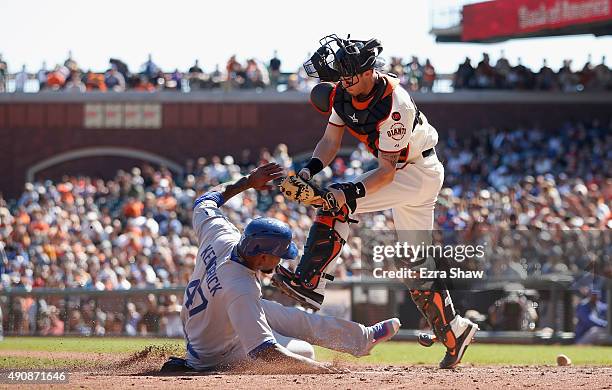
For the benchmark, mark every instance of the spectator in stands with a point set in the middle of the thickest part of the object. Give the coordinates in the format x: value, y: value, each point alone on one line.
x: 41, y: 76
x: 567, y: 79
x: 429, y: 76
x: 149, y: 323
x: 281, y: 157
x: 121, y: 67
x: 524, y: 76
x: 76, y: 325
x: 603, y: 76
x: 274, y: 69
x: 234, y: 72
x: 56, y: 79
x: 465, y: 75
x: 414, y: 74
x: 587, y: 75
x: 484, y: 73
x: 132, y: 319
x: 545, y: 79
x: 397, y: 68
x: 293, y: 83
x: 502, y: 71
x: 3, y: 74
x: 75, y: 84
x: 592, y: 323
x: 114, y: 324
x: 256, y: 75
x: 149, y: 69
x: 196, y: 76
x: 21, y: 79
x: 95, y: 82
x: 143, y: 84
x: 70, y: 63
x: 51, y: 324
x: 216, y: 78
x: 171, y: 324
x: 114, y: 80
x: 175, y: 81
x: 515, y: 311
x: 160, y: 80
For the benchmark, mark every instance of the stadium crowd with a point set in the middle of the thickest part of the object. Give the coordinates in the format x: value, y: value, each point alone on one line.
x: 503, y: 75
x: 133, y: 231
x: 415, y: 75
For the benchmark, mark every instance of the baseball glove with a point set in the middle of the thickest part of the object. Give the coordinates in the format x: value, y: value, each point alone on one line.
x: 299, y: 190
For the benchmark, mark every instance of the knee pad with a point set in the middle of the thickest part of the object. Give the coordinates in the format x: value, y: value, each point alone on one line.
x: 436, y: 306
x: 325, y: 240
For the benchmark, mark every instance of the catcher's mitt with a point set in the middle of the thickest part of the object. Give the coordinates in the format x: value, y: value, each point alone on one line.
x: 299, y: 190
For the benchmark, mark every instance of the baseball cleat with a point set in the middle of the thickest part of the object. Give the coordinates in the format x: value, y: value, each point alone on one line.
x: 426, y: 339
x: 307, y: 298
x: 383, y: 331
x: 453, y: 355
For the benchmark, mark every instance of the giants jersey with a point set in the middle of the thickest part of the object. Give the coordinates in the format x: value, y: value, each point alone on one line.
x: 389, y: 121
x: 222, y: 314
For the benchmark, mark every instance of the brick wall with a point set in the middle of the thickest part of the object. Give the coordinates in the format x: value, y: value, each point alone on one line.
x: 32, y: 131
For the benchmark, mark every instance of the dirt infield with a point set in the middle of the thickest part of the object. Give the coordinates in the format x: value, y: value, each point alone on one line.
x: 388, y: 377
x: 139, y: 370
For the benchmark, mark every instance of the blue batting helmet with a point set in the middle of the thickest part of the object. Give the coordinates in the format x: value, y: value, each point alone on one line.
x: 269, y: 236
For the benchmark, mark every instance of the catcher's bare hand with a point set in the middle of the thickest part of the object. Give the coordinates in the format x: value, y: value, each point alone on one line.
x: 260, y: 176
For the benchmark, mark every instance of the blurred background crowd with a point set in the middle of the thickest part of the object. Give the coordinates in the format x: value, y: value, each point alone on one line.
x: 134, y: 230
x: 415, y: 75
x: 507, y: 76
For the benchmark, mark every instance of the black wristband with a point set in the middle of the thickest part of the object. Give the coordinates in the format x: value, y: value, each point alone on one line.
x: 314, y: 166
x: 351, y: 190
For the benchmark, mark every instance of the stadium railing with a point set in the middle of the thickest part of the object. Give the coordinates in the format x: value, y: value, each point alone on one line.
x: 360, y: 306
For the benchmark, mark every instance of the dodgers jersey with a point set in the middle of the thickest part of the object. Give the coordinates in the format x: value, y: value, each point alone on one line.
x: 401, y: 128
x: 222, y: 314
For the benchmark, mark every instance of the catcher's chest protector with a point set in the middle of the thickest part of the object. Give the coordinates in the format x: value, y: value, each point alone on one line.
x: 363, y: 123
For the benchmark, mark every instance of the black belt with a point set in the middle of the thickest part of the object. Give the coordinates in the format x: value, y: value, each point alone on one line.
x: 428, y: 152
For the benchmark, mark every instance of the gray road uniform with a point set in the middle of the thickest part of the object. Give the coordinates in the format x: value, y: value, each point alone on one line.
x: 224, y: 316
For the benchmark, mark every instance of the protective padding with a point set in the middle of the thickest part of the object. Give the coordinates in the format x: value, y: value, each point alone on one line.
x: 438, y: 310
x: 325, y: 240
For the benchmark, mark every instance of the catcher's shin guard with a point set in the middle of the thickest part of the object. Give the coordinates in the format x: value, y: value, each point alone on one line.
x: 437, y: 308
x: 325, y: 240
x: 455, y: 332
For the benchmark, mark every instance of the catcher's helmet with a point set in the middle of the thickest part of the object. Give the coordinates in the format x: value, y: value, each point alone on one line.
x: 269, y: 236
x: 343, y: 58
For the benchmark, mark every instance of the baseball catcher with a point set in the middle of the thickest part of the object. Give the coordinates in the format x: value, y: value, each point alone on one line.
x: 375, y: 109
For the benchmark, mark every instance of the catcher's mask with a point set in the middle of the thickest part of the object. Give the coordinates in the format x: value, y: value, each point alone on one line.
x: 339, y: 58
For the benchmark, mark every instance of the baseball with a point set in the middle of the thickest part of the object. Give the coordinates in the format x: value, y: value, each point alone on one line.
x: 563, y: 360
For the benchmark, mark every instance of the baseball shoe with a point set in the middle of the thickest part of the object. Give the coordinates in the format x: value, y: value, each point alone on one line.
x: 426, y: 339
x: 453, y: 355
x: 283, y: 279
x: 383, y: 331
